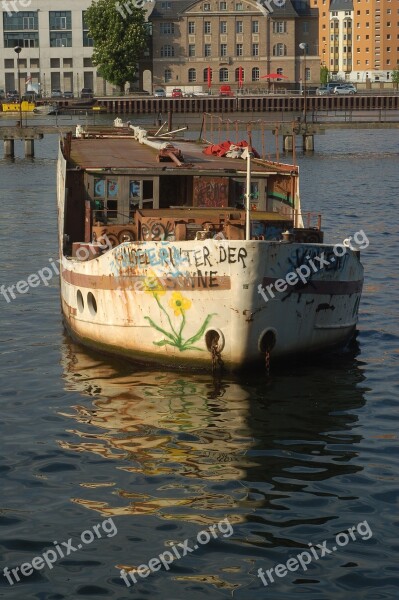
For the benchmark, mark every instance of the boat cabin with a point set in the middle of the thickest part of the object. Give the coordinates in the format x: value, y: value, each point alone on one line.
x: 134, y: 187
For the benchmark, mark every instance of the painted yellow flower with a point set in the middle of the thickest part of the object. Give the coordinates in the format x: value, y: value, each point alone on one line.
x: 152, y: 284
x: 179, y: 303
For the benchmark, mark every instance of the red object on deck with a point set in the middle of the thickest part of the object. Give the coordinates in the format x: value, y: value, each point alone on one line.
x: 224, y: 147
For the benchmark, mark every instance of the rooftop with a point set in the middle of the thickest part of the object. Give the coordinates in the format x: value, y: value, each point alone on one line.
x: 127, y: 153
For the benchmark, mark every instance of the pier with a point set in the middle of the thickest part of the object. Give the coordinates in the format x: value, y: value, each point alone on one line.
x: 27, y: 134
x: 217, y: 127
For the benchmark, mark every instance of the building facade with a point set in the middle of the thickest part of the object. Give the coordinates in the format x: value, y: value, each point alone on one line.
x: 359, y: 39
x: 56, y: 50
x: 234, y: 40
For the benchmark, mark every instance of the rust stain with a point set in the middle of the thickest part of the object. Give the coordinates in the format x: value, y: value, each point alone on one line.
x: 219, y: 282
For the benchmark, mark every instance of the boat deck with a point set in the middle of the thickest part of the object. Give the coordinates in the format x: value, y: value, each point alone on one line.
x: 127, y: 153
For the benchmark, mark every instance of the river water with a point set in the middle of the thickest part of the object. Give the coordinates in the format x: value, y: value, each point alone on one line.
x: 153, y: 458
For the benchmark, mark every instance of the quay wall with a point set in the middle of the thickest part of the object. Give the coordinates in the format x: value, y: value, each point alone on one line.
x: 245, y: 104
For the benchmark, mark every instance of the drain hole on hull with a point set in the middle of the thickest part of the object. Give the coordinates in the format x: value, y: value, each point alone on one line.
x: 92, y: 304
x: 267, y: 341
x: 214, y: 337
x: 80, y: 301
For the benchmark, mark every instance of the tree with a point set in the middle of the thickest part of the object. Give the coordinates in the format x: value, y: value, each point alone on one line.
x: 395, y: 76
x: 120, y: 36
x: 323, y: 75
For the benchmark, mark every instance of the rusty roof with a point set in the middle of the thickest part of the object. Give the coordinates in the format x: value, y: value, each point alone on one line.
x: 127, y: 153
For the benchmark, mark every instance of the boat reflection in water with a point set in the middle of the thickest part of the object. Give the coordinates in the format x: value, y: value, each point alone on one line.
x: 273, y: 456
x: 181, y: 427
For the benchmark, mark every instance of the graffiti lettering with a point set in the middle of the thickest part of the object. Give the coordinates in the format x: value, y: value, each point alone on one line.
x: 232, y: 255
x: 172, y: 257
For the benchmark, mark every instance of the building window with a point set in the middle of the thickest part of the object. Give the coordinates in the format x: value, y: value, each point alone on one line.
x: 167, y: 51
x: 239, y: 6
x: 87, y: 40
x: 60, y: 39
x: 239, y: 27
x: 192, y: 75
x: 239, y: 50
x: 23, y: 39
x: 166, y: 5
x: 222, y: 5
x: 223, y: 49
x: 307, y: 74
x: 223, y: 75
x: 60, y: 19
x: 207, y: 50
x: 279, y: 26
x: 17, y: 21
x: 205, y: 74
x: 279, y: 50
x: 223, y: 26
x: 191, y: 27
x: 191, y: 49
x: 167, y: 28
x: 237, y: 74
x: 255, y: 74
x: 255, y: 49
x: 255, y: 26
x: 207, y: 27
x: 279, y: 71
x: 207, y: 7
x: 167, y: 75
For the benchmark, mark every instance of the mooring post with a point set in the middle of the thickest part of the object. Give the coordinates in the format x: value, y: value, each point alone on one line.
x: 29, y: 148
x: 9, y: 148
x: 308, y: 142
x: 288, y: 142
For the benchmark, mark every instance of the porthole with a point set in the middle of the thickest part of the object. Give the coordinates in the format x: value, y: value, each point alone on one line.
x: 91, y: 304
x: 80, y: 301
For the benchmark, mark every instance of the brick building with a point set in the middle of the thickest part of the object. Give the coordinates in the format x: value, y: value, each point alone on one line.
x: 359, y: 39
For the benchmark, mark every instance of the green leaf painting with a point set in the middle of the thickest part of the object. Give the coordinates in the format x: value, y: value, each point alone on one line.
x: 174, y: 333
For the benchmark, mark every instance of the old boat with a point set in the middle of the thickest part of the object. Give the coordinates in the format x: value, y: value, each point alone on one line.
x: 161, y: 262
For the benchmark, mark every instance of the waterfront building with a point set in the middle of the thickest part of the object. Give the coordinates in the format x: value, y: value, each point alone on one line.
x: 359, y: 39
x: 236, y: 41
x: 56, y: 48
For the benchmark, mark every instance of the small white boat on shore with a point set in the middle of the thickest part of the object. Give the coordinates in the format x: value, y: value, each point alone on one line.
x: 46, y: 109
x: 162, y: 263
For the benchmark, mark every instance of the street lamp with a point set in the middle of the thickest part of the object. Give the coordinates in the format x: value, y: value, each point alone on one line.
x: 303, y: 47
x: 17, y: 50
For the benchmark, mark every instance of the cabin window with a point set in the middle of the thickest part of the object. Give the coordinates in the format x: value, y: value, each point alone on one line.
x: 106, y: 190
x: 239, y: 194
x: 141, y: 194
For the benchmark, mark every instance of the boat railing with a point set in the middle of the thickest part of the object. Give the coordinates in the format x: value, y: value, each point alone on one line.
x: 311, y: 220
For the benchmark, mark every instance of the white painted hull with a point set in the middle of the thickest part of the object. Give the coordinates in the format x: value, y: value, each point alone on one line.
x: 110, y: 302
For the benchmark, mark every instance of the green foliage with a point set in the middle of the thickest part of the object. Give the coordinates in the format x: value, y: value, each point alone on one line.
x: 395, y: 76
x: 119, y: 42
x: 323, y: 75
